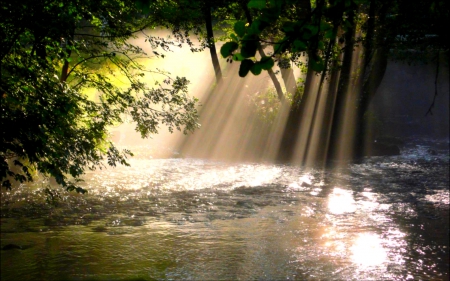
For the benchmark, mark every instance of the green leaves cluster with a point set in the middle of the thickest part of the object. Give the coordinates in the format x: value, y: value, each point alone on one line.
x: 248, y: 39
x: 51, y: 56
x: 255, y: 68
x: 299, y: 29
x: 304, y: 27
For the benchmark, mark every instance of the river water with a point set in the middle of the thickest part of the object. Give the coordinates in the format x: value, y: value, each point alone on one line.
x: 193, y: 219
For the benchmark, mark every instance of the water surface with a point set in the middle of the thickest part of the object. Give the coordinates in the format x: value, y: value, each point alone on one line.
x: 192, y: 219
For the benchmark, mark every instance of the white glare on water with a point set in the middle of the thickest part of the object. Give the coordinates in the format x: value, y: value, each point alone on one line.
x: 341, y: 201
x: 367, y: 250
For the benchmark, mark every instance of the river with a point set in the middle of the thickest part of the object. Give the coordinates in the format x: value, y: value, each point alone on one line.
x: 193, y: 219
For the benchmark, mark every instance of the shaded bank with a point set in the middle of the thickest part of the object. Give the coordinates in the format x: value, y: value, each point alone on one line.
x: 404, y: 97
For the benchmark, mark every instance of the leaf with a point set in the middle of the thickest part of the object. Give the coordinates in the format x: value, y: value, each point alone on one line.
x: 238, y: 57
x: 245, y: 67
x: 276, y: 4
x: 257, y: 4
x: 228, y: 48
x: 239, y: 28
x: 321, y: 45
x: 330, y: 34
x: 256, y: 68
x: 317, y: 66
x: 300, y: 45
x: 256, y: 27
x: 314, y: 29
x: 249, y: 47
x: 324, y: 26
x: 266, y: 63
x: 306, y: 34
x: 288, y: 27
x: 143, y: 5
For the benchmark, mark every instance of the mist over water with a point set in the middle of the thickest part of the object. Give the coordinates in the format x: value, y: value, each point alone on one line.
x: 232, y: 128
x: 384, y: 218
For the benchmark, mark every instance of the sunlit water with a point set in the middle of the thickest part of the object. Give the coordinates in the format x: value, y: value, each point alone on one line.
x: 191, y: 219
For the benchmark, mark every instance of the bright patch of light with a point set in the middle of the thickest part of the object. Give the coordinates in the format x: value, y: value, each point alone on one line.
x: 307, y: 179
x: 439, y: 197
x: 368, y: 251
x: 341, y: 201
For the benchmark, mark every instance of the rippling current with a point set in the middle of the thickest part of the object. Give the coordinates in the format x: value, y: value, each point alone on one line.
x: 191, y: 219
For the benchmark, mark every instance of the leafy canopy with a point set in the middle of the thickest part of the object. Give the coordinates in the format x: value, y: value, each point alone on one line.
x: 51, y: 55
x: 304, y: 27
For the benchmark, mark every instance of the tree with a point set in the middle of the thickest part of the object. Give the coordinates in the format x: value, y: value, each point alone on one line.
x: 185, y: 18
x: 53, y: 53
x: 327, y: 33
x: 305, y: 30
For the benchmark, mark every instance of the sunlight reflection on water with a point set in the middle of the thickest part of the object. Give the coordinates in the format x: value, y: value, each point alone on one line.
x: 341, y: 201
x: 199, y: 219
x: 368, y: 250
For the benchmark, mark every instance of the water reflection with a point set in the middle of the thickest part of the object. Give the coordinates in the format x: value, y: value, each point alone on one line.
x: 368, y: 251
x: 198, y: 219
x: 341, y: 201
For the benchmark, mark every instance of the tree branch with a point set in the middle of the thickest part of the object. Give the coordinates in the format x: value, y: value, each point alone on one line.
x: 275, y: 81
x: 84, y: 60
x: 429, y: 111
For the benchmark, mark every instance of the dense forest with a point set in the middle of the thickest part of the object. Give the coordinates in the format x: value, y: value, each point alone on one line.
x: 57, y: 105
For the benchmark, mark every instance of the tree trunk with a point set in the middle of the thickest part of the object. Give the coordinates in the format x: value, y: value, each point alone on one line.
x: 375, y: 63
x: 291, y: 131
x: 272, y: 76
x: 374, y: 77
x: 289, y: 80
x: 292, y: 128
x: 343, y: 88
x: 329, y: 111
x: 65, y: 67
x: 322, y: 138
x: 211, y: 43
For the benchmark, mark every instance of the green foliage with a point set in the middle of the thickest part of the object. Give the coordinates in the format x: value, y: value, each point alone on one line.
x: 238, y: 57
x: 239, y: 28
x: 299, y: 28
x: 245, y: 67
x: 266, y: 105
x: 49, y: 62
x: 257, y: 4
x: 228, y: 48
x: 279, y: 19
x: 266, y: 63
x: 248, y: 49
x: 256, y: 68
x: 317, y: 64
x: 418, y: 30
x: 143, y: 6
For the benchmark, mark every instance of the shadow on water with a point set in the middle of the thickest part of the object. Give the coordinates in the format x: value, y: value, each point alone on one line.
x: 382, y: 218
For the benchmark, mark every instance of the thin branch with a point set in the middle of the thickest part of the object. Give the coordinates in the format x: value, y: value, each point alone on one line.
x: 112, y: 36
x: 435, y: 86
x: 124, y: 71
x: 84, y: 60
x: 132, y: 60
x: 13, y: 41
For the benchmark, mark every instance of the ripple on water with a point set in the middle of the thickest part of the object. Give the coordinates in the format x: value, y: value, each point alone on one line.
x: 385, y: 218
